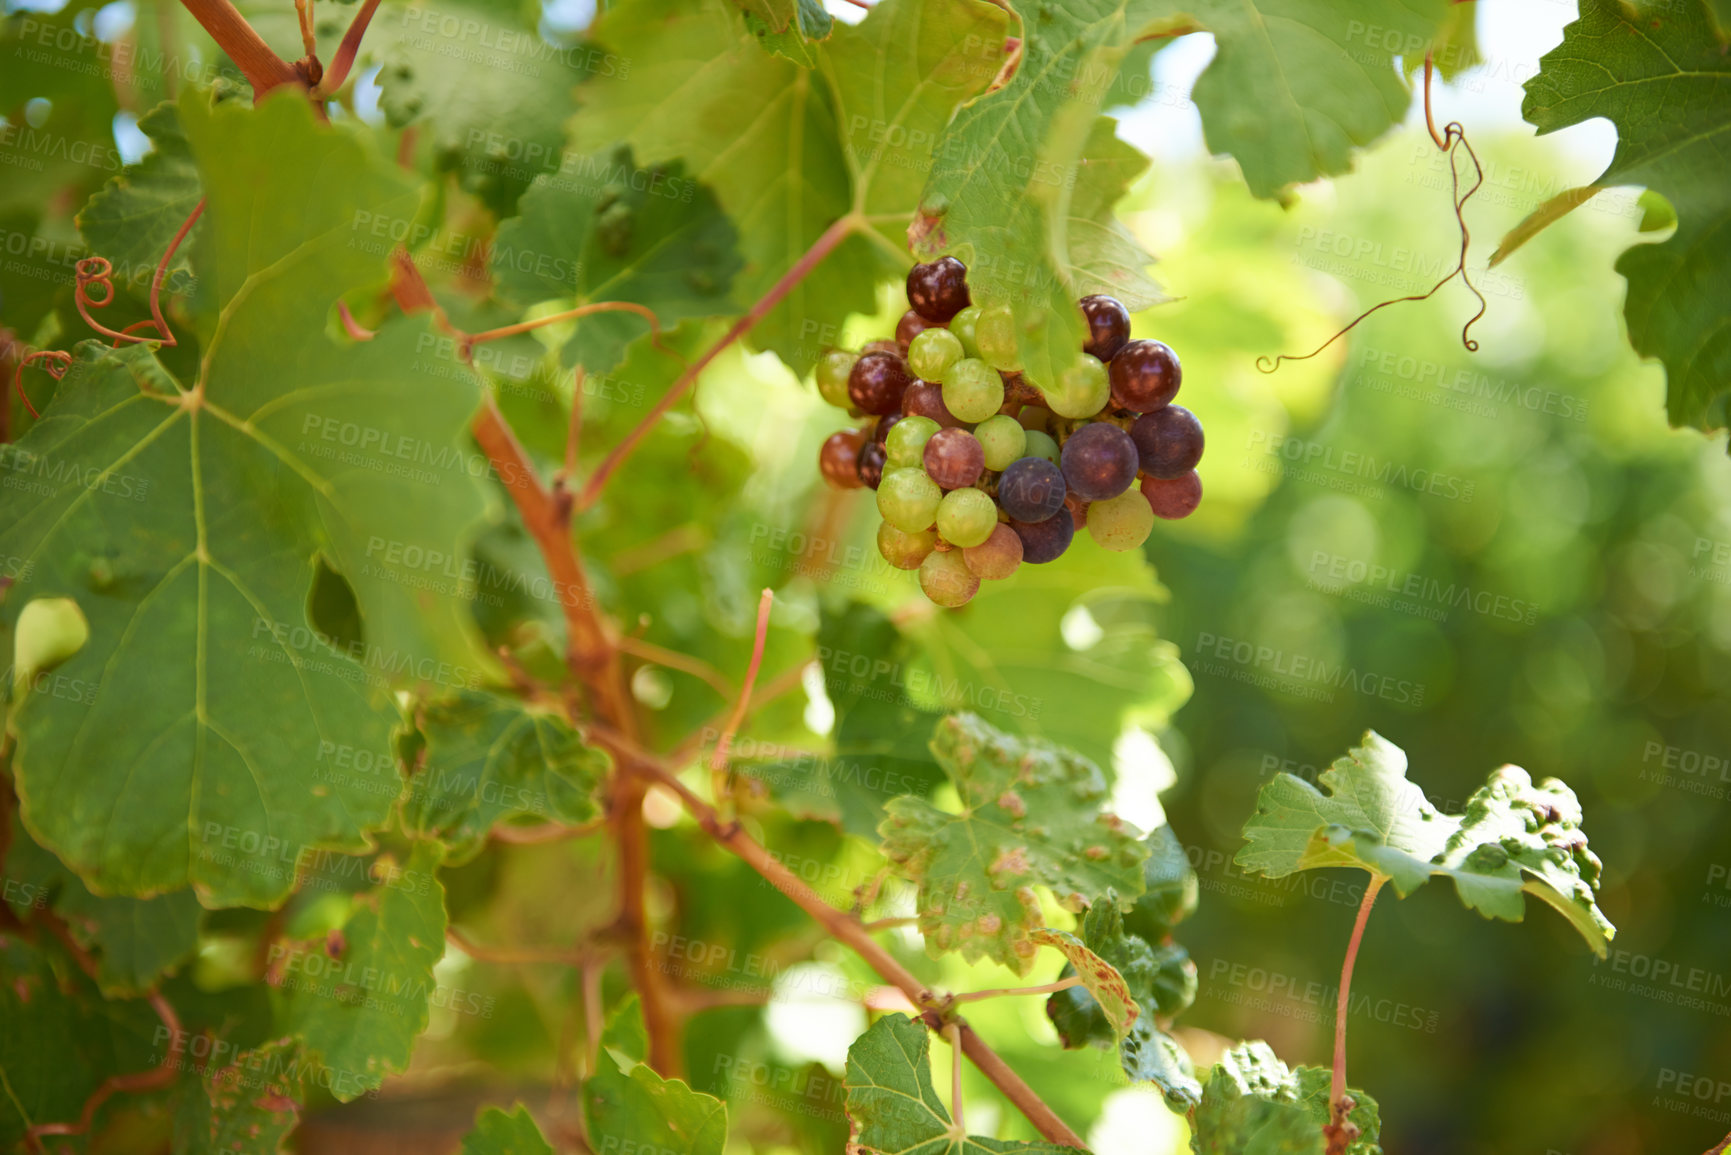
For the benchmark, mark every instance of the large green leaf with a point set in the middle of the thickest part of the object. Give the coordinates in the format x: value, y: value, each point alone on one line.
x: 485, y: 759
x: 189, y: 740
x: 631, y: 1108
x: 359, y: 997
x: 135, y: 216
x: 1031, y: 814
x: 136, y: 940
x: 1253, y: 1105
x: 248, y: 1105
x: 1660, y: 73
x: 893, y: 1107
x: 1296, y: 85
x: 1514, y: 837
x: 602, y: 229
x: 790, y: 151
x: 505, y: 1133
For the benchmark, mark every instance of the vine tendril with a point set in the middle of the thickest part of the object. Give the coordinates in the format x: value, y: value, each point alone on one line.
x: 1451, y: 140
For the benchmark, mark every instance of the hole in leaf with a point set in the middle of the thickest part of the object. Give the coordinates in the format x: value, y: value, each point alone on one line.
x: 332, y: 609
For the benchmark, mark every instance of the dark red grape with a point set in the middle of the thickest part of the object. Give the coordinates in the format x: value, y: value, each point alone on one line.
x: 1108, y: 325
x: 1173, y: 499
x: 910, y: 326
x: 871, y: 464
x: 1145, y: 375
x: 877, y: 382
x: 882, y: 345
x: 1077, y: 509
x: 1044, y: 541
x: 954, y: 458
x: 838, y: 460
x: 1031, y: 490
x: 1169, y: 441
x: 938, y: 291
x: 1099, y: 461
x: 881, y: 431
x: 926, y: 399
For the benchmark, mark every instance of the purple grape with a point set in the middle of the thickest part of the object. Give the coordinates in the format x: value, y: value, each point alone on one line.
x: 1169, y: 442
x: 1100, y: 461
x: 1108, y: 325
x: 1145, y: 375
x: 1044, y: 541
x: 1031, y: 489
x: 954, y: 458
x: 877, y: 381
x: 938, y: 291
x: 881, y: 432
x: 871, y: 464
x: 1173, y: 499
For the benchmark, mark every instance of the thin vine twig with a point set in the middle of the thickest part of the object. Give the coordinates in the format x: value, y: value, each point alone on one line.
x: 1002, y: 992
x: 718, y: 760
x: 844, y: 928
x: 1340, y: 1131
x: 1452, y: 138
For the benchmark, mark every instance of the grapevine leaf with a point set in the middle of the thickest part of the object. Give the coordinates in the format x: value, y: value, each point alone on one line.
x: 489, y: 759
x: 359, y: 998
x: 498, y: 1132
x: 1161, y: 979
x: 61, y: 1040
x: 189, y: 522
x: 1031, y: 815
x: 1170, y: 888
x: 1253, y: 1105
x: 788, y: 151
x: 602, y: 229
x: 1541, y: 218
x: 788, y: 28
x: 880, y: 744
x: 625, y: 1032
x: 1514, y: 837
x: 1100, y: 979
x: 495, y: 93
x: 892, y: 1106
x: 631, y: 1108
x: 1296, y: 85
x: 134, y: 217
x: 248, y: 1105
x: 1660, y: 73
x: 136, y: 940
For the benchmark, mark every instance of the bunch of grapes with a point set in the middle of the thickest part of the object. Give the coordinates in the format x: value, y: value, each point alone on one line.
x: 978, y: 469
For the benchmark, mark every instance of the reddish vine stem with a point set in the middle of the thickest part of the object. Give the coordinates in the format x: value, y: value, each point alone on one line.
x: 263, y: 69
x: 346, y: 51
x: 153, y: 1079
x: 1340, y: 1132
x: 820, y: 248
x: 718, y: 760
x: 847, y: 929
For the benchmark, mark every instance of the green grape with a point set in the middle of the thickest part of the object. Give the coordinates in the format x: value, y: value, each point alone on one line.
x: 832, y: 373
x: 947, y: 579
x: 1003, y: 439
x: 1121, y: 523
x: 1082, y: 390
x: 962, y: 325
x: 973, y: 391
x: 905, y: 550
x: 1041, y: 445
x: 995, y: 334
x: 906, y: 443
x: 932, y: 352
x: 967, y: 517
x: 908, y: 499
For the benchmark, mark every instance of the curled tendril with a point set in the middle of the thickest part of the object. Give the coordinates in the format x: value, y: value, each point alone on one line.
x: 55, y: 362
x: 1452, y: 140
